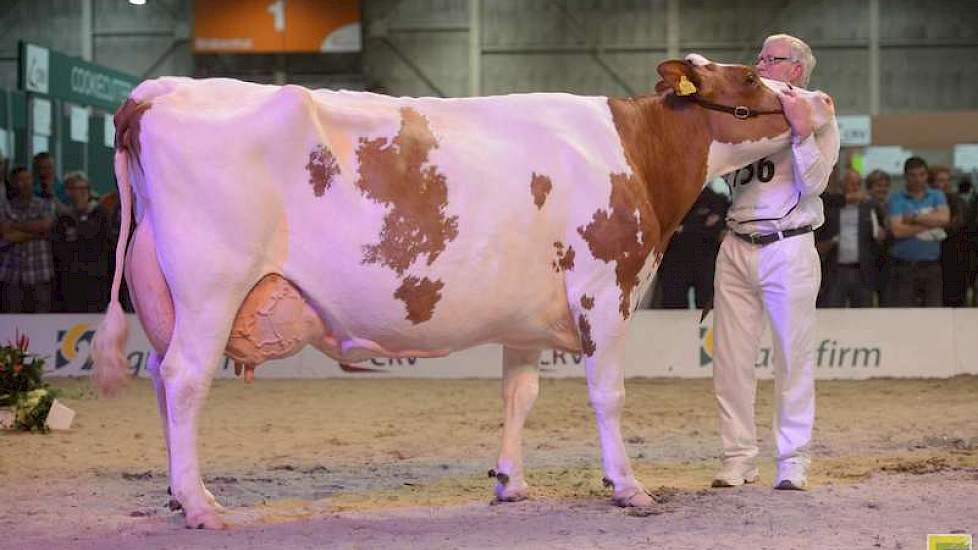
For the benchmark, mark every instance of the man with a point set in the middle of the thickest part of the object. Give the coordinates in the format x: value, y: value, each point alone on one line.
x: 918, y: 216
x: 49, y: 187
x: 26, y: 267
x: 80, y: 243
x: 878, y: 185
x: 954, y: 254
x: 857, y: 236
x: 768, y: 265
x: 689, y: 261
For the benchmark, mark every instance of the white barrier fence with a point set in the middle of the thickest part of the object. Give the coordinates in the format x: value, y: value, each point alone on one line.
x: 851, y: 344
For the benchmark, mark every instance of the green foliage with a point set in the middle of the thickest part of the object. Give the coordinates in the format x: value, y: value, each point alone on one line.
x: 21, y: 386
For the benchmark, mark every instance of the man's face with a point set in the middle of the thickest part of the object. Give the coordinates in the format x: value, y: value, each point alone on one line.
x: 851, y: 182
x: 776, y: 62
x: 942, y: 181
x: 24, y: 184
x: 916, y: 179
x: 45, y: 169
x: 880, y: 189
x: 79, y: 192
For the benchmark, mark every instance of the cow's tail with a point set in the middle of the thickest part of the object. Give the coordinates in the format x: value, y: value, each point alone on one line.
x: 111, y: 370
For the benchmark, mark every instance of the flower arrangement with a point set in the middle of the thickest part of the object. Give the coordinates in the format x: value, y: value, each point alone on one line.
x: 21, y: 387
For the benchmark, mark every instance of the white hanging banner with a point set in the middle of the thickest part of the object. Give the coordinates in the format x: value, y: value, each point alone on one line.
x: 108, y: 131
x: 79, y: 124
x: 41, y: 116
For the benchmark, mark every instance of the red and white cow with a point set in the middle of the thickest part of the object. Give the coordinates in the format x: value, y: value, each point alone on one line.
x: 269, y: 218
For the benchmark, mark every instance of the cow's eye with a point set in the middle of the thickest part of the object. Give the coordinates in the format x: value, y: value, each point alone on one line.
x: 750, y: 78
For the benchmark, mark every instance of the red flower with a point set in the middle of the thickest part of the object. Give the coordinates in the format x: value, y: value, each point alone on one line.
x: 22, y: 342
x: 18, y: 367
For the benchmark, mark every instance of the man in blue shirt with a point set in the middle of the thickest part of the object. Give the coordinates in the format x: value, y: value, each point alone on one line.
x: 918, y: 216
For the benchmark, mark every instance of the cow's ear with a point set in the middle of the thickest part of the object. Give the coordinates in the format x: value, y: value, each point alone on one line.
x: 677, y: 76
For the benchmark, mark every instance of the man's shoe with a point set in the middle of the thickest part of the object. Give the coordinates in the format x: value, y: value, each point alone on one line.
x: 735, y: 474
x: 792, y: 476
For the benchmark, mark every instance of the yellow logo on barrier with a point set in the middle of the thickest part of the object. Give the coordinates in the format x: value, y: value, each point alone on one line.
x: 949, y: 542
x: 70, y: 346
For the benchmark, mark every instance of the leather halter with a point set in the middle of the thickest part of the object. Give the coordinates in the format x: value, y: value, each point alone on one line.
x: 739, y: 112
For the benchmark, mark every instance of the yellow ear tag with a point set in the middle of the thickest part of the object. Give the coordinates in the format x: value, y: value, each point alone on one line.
x: 685, y: 86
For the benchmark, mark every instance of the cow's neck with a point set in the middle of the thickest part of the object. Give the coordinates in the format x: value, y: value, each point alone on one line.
x: 667, y: 146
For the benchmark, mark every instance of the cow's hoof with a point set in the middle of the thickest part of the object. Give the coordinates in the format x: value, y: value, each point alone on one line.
x: 512, y: 491
x: 635, y: 497
x: 208, y: 519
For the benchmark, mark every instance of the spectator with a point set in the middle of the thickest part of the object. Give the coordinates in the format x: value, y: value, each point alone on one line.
x: 878, y: 185
x: 827, y: 234
x: 858, y: 234
x: 26, y: 266
x: 971, y: 238
x: 917, y: 218
x: 80, y: 244
x: 691, y: 257
x: 48, y: 186
x: 953, y: 253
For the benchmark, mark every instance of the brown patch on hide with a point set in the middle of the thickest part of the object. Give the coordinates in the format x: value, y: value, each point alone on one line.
x: 540, y: 186
x: 587, y: 302
x: 565, y: 258
x: 322, y: 169
x: 624, y: 234
x: 393, y: 173
x: 420, y: 297
x: 584, y: 328
x: 127, y: 122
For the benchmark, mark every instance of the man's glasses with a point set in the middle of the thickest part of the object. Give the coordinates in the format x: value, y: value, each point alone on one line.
x: 771, y: 59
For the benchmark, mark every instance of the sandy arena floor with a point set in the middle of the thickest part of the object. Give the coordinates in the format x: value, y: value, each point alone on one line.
x: 401, y: 463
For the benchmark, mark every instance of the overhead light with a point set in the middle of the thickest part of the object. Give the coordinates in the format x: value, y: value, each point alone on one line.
x: 137, y: 2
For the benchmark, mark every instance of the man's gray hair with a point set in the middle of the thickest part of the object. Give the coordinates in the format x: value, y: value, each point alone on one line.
x: 800, y: 52
x: 71, y: 177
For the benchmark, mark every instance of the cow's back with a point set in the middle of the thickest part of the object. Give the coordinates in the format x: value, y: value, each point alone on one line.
x: 414, y: 223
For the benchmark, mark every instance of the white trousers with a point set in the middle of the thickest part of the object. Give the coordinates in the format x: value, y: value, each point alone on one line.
x: 778, y: 281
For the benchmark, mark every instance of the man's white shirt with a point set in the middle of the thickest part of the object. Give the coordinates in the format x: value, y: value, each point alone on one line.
x: 782, y: 191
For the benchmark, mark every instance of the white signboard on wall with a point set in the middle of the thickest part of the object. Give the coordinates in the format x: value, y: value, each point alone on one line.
x: 888, y: 158
x: 966, y: 157
x: 38, y: 71
x: 855, y: 130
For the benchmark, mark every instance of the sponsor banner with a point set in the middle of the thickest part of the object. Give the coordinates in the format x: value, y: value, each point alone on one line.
x: 59, y: 75
x: 851, y: 344
x: 966, y: 340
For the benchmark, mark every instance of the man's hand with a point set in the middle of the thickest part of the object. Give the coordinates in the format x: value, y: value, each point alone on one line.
x: 798, y: 112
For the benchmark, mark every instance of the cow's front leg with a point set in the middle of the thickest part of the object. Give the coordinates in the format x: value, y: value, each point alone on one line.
x: 521, y: 384
x: 603, y: 348
x: 186, y: 372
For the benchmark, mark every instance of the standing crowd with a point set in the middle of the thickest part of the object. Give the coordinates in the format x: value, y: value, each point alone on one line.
x: 57, y: 241
x: 917, y: 247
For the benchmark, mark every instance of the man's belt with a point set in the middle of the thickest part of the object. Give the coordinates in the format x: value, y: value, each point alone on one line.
x: 761, y: 240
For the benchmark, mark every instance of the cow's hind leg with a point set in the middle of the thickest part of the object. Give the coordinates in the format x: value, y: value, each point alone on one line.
x: 521, y: 378
x: 153, y: 366
x: 187, y: 370
x: 603, y: 339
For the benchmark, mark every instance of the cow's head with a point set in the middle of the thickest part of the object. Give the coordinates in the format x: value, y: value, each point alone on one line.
x: 744, y: 114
